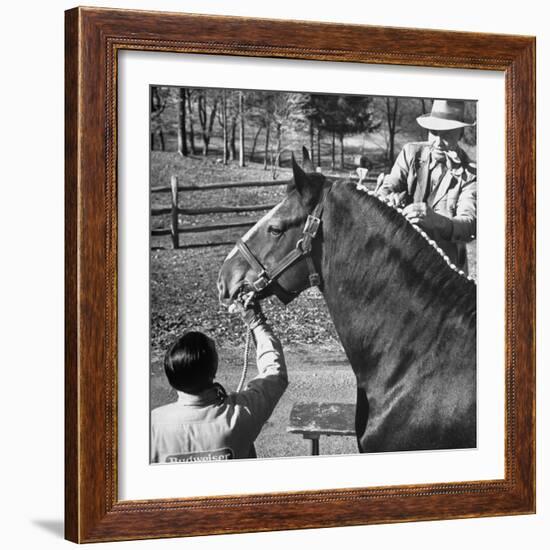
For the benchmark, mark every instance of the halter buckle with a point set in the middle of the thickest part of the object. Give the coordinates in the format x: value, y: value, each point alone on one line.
x: 314, y: 279
x: 304, y: 245
x: 261, y: 282
x: 312, y: 226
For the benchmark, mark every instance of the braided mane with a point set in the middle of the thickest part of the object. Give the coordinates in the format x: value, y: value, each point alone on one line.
x: 433, y: 244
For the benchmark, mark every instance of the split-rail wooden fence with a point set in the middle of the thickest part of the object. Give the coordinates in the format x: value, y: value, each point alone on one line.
x: 174, y: 210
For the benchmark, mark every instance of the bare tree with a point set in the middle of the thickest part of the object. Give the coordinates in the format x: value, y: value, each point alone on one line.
x: 424, y: 105
x: 333, y: 150
x: 241, y: 128
x: 182, y: 134
x: 339, y: 115
x: 266, y: 144
x: 254, y: 143
x: 274, y: 112
x: 158, y: 102
x: 392, y: 110
x: 207, y: 117
x: 397, y: 115
x: 318, y: 147
x: 259, y: 109
x: 190, y: 94
x: 224, y: 125
x: 287, y: 112
x: 232, y: 137
x: 311, y: 138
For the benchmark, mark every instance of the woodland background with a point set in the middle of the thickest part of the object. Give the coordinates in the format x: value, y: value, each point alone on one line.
x: 261, y: 126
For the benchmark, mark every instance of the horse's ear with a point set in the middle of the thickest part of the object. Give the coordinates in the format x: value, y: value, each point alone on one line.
x: 306, y: 161
x: 306, y: 186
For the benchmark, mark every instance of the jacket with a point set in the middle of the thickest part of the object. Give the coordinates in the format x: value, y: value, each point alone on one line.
x: 215, y: 426
x: 455, y: 197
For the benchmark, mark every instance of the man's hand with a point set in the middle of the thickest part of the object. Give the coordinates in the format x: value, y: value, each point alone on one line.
x: 422, y: 215
x: 393, y: 199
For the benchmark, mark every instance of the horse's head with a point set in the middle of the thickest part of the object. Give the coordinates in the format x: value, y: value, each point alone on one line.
x: 278, y: 255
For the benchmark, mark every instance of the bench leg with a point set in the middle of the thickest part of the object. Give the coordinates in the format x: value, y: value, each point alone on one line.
x: 315, y: 446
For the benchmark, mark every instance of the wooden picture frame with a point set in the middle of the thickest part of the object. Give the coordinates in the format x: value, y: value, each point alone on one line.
x: 93, y: 511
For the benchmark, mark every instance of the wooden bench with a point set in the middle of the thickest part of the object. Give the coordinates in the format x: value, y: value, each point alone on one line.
x: 312, y: 420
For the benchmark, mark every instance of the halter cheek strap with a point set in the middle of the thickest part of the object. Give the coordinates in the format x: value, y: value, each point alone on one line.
x: 262, y: 277
x: 301, y: 250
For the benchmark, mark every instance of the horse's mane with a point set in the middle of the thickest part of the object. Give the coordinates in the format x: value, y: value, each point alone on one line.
x: 392, y: 240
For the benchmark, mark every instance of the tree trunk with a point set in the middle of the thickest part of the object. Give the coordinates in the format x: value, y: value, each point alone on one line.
x: 424, y: 108
x: 157, y: 106
x: 311, y: 142
x: 152, y: 101
x: 161, y: 139
x: 224, y: 125
x: 191, y: 125
x: 279, y: 140
x: 318, y: 148
x: 232, y: 148
x: 392, y: 150
x: 206, y: 121
x: 391, y: 113
x: 212, y: 119
x: 266, y: 148
x: 182, y: 137
x: 333, y: 151
x: 342, y: 156
x: 241, y: 129
x: 202, y: 120
x: 254, y: 143
x: 152, y: 109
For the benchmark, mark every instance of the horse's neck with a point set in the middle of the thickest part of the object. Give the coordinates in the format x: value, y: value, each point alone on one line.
x: 379, y: 281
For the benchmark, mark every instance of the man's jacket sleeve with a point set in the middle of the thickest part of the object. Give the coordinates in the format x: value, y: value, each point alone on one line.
x: 263, y: 392
x: 396, y: 180
x: 464, y: 221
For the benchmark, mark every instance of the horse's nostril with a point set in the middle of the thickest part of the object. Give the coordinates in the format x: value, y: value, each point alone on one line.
x: 224, y: 294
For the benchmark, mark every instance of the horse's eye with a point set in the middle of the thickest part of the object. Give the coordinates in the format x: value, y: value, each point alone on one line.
x: 275, y: 231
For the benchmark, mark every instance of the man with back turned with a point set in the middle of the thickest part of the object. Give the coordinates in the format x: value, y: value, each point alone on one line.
x: 206, y: 423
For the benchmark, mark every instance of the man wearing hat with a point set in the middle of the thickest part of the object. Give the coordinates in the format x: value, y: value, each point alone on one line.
x: 435, y: 182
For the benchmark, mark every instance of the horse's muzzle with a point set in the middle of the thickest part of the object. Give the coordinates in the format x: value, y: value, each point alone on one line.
x: 225, y: 296
x: 231, y: 289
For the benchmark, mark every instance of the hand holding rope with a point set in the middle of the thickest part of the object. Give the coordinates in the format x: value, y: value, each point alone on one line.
x: 252, y: 315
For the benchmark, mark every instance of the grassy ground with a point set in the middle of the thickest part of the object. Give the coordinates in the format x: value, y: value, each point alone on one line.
x: 184, y: 297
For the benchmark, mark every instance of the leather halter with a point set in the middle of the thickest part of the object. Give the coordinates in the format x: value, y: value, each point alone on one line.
x: 302, y: 249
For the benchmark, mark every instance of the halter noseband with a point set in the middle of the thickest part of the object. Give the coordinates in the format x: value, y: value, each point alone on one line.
x: 302, y: 249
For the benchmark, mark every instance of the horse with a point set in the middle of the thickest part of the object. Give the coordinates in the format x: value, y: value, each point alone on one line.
x: 405, y: 316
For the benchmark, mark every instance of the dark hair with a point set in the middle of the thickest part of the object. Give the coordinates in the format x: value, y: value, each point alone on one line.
x: 191, y: 362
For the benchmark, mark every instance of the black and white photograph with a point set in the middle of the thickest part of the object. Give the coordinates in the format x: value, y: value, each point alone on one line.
x: 312, y: 274
x: 253, y: 294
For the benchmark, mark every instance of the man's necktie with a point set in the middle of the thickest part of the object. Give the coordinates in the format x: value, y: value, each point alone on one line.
x: 438, y: 171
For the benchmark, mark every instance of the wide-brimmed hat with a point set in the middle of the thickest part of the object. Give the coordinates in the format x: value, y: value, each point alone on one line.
x: 447, y: 114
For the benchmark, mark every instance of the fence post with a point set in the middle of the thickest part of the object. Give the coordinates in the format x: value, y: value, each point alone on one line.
x: 174, y: 222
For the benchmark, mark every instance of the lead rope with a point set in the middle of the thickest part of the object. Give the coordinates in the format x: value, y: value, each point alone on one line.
x: 245, y: 361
